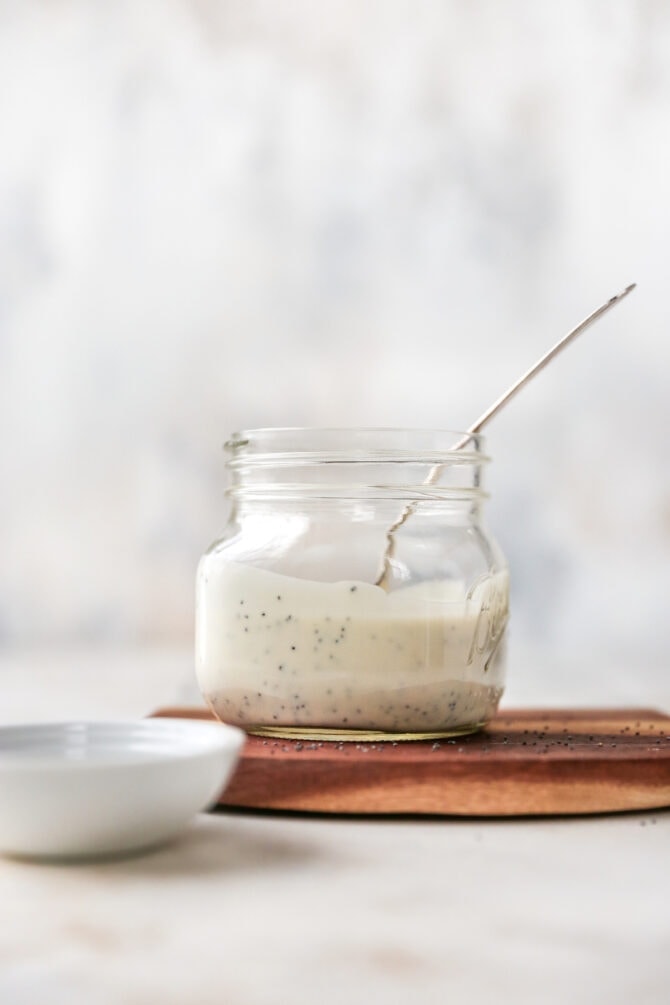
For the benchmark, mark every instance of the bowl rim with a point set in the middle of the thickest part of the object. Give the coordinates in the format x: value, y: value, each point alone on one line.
x: 176, y: 741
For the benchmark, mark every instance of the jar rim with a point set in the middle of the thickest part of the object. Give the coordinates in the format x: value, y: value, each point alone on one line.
x: 359, y: 439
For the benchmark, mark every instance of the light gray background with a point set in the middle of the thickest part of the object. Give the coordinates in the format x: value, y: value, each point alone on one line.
x: 215, y: 215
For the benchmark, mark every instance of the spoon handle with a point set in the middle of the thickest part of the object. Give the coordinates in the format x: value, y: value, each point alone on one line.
x: 524, y: 378
x: 547, y: 358
x: 492, y: 410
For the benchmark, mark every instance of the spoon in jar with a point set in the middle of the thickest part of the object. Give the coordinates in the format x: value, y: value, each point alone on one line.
x: 435, y: 471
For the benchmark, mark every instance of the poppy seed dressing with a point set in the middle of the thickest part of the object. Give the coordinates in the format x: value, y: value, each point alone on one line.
x: 279, y: 653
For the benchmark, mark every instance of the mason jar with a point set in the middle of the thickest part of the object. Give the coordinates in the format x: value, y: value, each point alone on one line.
x: 355, y: 592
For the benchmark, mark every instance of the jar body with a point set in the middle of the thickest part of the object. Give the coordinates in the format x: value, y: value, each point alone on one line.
x: 293, y: 637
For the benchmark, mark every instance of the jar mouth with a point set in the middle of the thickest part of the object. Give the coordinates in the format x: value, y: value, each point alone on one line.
x: 356, y: 463
x: 355, y: 444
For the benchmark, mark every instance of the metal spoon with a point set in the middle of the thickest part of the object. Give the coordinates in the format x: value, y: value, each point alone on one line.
x: 434, y: 473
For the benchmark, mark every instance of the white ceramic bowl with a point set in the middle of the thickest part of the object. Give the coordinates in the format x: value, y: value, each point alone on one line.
x: 80, y: 789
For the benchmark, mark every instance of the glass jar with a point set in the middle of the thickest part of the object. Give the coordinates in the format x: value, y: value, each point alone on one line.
x: 293, y: 637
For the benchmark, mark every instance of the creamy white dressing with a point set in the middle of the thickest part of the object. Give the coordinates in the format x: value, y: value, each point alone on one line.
x: 274, y: 651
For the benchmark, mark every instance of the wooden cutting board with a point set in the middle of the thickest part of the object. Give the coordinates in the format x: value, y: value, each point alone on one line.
x: 533, y: 762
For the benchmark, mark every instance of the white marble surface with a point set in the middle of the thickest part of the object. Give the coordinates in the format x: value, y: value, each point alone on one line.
x: 216, y: 215
x: 260, y: 910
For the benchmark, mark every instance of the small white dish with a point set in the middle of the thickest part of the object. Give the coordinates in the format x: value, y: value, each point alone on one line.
x: 86, y: 789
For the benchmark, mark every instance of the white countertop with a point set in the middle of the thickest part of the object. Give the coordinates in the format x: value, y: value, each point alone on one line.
x: 249, y: 909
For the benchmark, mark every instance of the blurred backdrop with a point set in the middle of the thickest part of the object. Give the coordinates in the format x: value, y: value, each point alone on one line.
x: 217, y: 215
